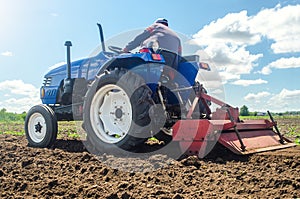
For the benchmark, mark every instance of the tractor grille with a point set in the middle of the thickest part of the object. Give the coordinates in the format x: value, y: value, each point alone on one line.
x: 47, y: 81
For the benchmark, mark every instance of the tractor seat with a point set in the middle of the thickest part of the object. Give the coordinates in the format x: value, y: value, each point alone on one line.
x: 171, y: 58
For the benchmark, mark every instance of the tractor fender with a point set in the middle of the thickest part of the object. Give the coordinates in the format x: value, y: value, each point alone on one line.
x: 128, y: 61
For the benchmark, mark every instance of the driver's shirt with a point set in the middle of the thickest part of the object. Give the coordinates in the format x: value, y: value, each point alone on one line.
x: 166, y: 38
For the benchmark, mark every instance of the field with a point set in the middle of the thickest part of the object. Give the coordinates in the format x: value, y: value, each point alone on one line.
x: 67, y: 170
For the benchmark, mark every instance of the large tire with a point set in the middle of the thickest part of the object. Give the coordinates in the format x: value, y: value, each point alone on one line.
x: 40, y: 126
x: 116, y: 112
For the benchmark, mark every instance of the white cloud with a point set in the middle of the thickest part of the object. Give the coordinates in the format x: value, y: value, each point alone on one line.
x: 282, y: 63
x: 19, y: 105
x: 18, y: 87
x: 18, y: 96
x: 256, y: 97
x: 225, y: 42
x: 226, y: 39
x: 217, y: 92
x: 280, y: 24
x: 7, y: 54
x: 231, y: 61
x: 286, y: 94
x: 243, y: 82
x: 232, y: 29
x: 286, y: 100
x: 232, y: 58
x: 226, y: 76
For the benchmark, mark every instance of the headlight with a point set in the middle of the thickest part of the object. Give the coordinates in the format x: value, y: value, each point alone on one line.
x: 42, y: 92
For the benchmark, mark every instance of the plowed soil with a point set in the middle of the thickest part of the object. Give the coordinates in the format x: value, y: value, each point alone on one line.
x: 67, y: 170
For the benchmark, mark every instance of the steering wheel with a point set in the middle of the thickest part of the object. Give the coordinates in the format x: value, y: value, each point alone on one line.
x: 115, y: 49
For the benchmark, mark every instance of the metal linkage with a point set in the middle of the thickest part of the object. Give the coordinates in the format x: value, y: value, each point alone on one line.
x: 161, y: 96
x: 276, y: 129
x: 243, y: 147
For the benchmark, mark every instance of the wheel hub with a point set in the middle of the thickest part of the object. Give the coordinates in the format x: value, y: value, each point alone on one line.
x: 119, y: 113
x: 38, y: 127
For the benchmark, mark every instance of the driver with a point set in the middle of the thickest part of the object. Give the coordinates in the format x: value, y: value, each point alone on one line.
x: 158, y: 32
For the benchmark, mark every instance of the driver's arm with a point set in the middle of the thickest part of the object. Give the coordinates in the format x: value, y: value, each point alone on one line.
x: 138, y: 40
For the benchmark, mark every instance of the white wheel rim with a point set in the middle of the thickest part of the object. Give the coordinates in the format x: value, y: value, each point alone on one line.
x: 37, y: 127
x: 111, y: 113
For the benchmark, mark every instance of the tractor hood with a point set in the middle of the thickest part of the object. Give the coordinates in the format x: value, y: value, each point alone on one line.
x: 79, y: 67
x: 62, y: 68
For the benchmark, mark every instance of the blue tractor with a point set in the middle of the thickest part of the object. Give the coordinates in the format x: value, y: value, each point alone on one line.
x: 125, y: 98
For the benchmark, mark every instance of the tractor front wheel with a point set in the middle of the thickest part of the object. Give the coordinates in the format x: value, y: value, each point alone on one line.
x: 40, y: 126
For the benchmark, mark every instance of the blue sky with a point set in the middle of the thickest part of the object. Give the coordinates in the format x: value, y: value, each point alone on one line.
x: 254, y: 45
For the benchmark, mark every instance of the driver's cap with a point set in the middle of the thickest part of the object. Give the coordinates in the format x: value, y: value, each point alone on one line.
x: 162, y: 20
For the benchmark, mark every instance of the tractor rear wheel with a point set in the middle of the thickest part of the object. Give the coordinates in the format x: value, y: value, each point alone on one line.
x: 116, y: 112
x: 40, y: 126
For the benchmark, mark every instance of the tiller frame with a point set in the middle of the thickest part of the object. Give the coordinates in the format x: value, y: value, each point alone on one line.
x: 199, y: 136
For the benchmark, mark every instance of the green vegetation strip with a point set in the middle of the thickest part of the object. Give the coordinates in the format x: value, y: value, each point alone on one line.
x: 13, y: 124
x: 13, y: 133
x: 251, y: 117
x: 9, y: 117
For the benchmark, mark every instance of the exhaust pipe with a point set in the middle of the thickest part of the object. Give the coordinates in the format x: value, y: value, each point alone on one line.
x: 68, y: 82
x: 101, y: 36
x: 68, y: 44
